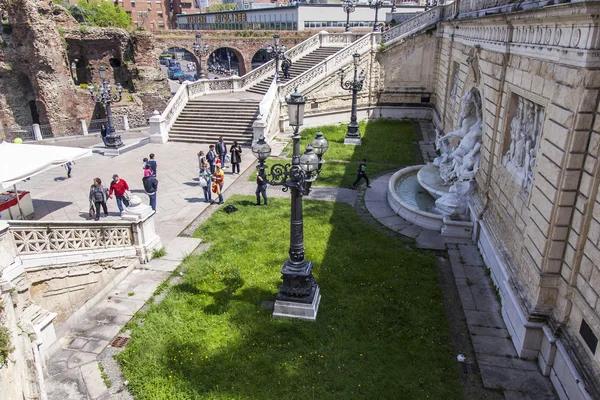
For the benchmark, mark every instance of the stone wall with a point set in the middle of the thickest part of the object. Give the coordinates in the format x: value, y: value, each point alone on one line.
x: 543, y: 227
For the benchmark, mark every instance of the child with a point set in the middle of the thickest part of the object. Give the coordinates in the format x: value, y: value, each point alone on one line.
x: 362, y: 173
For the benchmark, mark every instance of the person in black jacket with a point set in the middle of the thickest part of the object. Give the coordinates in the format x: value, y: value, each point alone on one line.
x: 150, y: 186
x: 211, y: 157
x: 221, y: 149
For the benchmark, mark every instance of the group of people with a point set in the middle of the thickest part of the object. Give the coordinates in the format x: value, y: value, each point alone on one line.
x: 118, y: 188
x: 212, y: 164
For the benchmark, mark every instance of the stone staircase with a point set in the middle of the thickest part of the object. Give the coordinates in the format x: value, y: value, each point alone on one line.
x: 203, y: 121
x: 298, y: 67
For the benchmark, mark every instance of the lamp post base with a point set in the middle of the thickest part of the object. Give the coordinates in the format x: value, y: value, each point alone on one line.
x: 298, y: 295
x: 113, y: 141
x: 294, y: 309
x: 352, y: 140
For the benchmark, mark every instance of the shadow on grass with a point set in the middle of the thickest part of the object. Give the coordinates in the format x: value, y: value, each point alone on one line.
x: 380, y: 333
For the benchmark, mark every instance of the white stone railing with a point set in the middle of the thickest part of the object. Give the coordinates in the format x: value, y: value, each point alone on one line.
x: 34, y: 237
x: 414, y: 24
x: 268, y: 108
x: 330, y: 65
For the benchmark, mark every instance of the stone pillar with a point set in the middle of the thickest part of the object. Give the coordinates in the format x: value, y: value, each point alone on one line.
x: 144, y: 231
x: 158, y: 129
x: 258, y: 130
x: 37, y: 132
x: 125, y: 123
x: 84, y: 128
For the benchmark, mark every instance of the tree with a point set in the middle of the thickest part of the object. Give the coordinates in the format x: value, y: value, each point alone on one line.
x: 100, y: 13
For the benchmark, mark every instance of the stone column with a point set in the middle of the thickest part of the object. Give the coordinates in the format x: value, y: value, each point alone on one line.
x: 125, y: 123
x: 37, y: 132
x: 144, y: 231
x: 158, y: 129
x: 84, y: 128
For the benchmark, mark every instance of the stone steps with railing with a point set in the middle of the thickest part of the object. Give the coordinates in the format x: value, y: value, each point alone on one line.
x: 183, y: 120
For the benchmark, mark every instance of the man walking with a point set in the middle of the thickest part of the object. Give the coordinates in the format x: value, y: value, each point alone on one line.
x: 221, y: 151
x: 362, y: 173
x: 119, y: 187
x: 150, y: 186
x: 211, y: 157
x: 261, y: 186
x: 152, y: 163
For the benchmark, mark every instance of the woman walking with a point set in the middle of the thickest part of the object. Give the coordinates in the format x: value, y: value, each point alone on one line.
x: 98, y: 196
x: 205, y: 181
x: 236, y: 157
x: 219, y: 178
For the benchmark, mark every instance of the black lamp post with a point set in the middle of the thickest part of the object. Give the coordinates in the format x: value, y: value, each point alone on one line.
x: 356, y: 84
x: 277, y: 52
x: 107, y: 97
x: 298, y: 295
x: 349, y: 7
x: 375, y: 4
x: 200, y: 51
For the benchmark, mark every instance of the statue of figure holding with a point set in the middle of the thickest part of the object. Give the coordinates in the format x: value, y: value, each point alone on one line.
x: 467, y: 118
x: 515, y: 127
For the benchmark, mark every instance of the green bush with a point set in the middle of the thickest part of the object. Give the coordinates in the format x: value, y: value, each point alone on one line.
x: 100, y: 13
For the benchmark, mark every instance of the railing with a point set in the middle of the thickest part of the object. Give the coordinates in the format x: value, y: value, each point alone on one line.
x: 96, y: 124
x: 330, y: 65
x: 22, y: 132
x: 34, y: 237
x: 175, y: 106
x: 414, y: 24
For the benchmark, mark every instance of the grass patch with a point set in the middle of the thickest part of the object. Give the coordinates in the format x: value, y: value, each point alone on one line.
x: 131, y: 294
x: 158, y: 253
x: 104, y: 376
x: 381, y: 332
x: 383, y: 141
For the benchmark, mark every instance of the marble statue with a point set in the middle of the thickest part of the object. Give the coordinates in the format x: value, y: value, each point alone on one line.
x: 525, y: 132
x: 454, y: 92
x: 459, y: 160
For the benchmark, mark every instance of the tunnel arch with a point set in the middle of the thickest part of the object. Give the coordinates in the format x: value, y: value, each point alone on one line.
x: 219, y: 55
x: 259, y: 58
x: 187, y: 55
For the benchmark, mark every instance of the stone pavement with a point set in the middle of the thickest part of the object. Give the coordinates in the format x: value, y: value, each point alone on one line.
x: 499, y: 366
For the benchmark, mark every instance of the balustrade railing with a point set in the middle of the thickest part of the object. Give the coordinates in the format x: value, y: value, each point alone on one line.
x: 430, y: 17
x: 175, y: 106
x: 35, y: 237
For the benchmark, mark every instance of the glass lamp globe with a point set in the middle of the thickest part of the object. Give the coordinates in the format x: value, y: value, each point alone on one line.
x: 309, y: 161
x: 295, y: 103
x: 261, y: 149
x: 319, y: 144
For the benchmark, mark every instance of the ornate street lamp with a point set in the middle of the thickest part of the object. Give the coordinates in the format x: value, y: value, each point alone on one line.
x: 106, y: 97
x: 349, y: 7
x: 375, y: 4
x: 200, y: 51
x: 356, y: 84
x: 276, y: 52
x: 394, y: 9
x: 298, y: 295
x: 430, y: 4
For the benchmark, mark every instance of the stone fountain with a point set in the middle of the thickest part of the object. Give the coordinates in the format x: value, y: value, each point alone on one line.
x: 451, y: 177
x: 434, y: 196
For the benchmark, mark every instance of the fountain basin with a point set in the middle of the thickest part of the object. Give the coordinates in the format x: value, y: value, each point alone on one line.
x: 416, y: 209
x: 430, y: 180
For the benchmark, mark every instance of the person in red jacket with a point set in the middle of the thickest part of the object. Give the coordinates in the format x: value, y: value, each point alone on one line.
x: 119, y: 187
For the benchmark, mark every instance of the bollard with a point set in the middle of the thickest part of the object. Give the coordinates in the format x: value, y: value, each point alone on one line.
x: 84, y: 128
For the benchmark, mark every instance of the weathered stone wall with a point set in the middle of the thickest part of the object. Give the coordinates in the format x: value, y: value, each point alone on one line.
x: 63, y: 289
x: 546, y: 235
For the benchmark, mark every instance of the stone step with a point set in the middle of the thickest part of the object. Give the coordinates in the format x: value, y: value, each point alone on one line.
x: 192, y: 116
x: 202, y: 128
x: 246, y: 141
x: 231, y: 114
x: 206, y: 125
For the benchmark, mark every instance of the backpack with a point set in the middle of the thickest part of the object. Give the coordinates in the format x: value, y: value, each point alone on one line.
x: 98, y: 195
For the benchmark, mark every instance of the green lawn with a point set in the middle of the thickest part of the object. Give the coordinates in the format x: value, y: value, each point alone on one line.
x: 388, y: 145
x: 381, y: 332
x: 383, y: 141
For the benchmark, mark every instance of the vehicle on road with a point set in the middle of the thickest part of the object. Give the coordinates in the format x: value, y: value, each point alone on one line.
x: 175, y: 73
x: 185, y: 77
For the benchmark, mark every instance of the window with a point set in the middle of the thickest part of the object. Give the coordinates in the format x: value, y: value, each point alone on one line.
x: 133, y: 4
x: 588, y: 336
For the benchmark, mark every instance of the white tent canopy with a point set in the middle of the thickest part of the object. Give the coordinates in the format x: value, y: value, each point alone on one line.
x: 21, y: 161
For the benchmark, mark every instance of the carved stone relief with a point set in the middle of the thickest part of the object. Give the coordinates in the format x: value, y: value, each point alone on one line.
x: 525, y: 132
x: 456, y: 70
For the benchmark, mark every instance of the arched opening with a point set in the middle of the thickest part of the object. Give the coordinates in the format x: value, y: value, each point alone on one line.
x: 225, y: 61
x: 179, y: 63
x: 259, y: 58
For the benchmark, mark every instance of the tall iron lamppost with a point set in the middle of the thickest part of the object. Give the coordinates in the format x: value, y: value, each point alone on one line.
x: 299, y: 295
x: 349, y: 7
x: 107, y: 97
x: 200, y: 51
x: 356, y: 84
x: 376, y: 5
x: 276, y: 52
